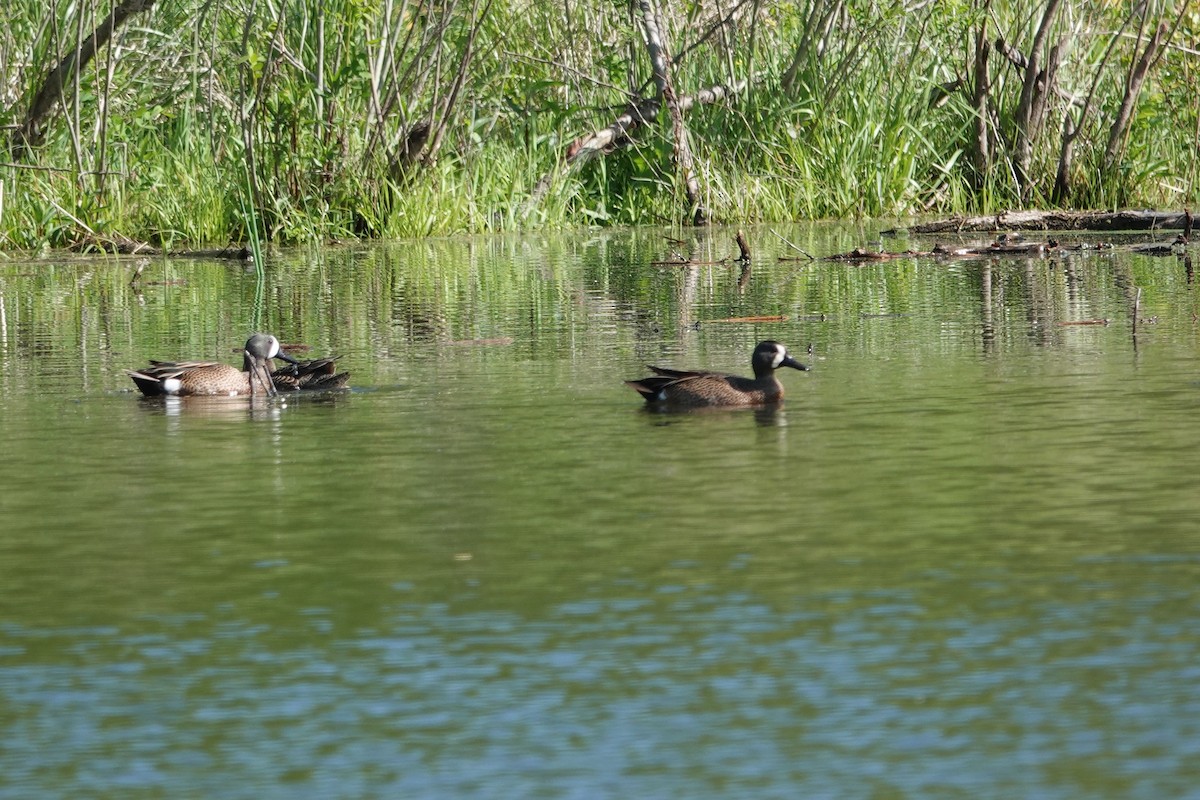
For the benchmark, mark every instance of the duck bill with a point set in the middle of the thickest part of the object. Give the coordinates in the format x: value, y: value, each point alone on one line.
x: 794, y: 364
x: 260, y: 379
x: 287, y: 358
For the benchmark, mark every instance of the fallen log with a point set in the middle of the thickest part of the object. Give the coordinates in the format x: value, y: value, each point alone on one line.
x: 859, y: 255
x: 1176, y: 248
x: 114, y: 244
x: 1013, y: 247
x: 119, y: 244
x: 1127, y: 220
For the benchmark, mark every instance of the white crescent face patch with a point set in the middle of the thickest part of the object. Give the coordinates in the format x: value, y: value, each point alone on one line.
x: 780, y: 355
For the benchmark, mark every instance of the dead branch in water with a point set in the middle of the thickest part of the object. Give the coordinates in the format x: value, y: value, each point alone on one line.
x: 1012, y: 246
x: 860, y: 255
x: 743, y: 248
x: 761, y: 318
x: 681, y: 260
x: 808, y: 256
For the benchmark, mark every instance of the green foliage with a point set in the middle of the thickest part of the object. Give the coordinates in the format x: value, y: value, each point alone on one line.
x: 382, y: 119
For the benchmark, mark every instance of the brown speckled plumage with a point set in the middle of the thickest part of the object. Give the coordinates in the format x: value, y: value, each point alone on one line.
x: 215, y: 378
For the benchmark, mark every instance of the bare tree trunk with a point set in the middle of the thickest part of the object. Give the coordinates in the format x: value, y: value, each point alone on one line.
x: 1033, y: 95
x: 447, y: 109
x: 1072, y: 128
x: 30, y: 133
x: 820, y: 22
x: 1133, y: 87
x: 981, y: 152
x: 660, y: 63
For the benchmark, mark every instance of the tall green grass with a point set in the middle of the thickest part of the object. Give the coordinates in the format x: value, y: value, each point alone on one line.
x: 856, y: 108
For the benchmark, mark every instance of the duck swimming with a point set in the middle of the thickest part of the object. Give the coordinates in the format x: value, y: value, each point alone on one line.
x: 214, y: 378
x: 696, y: 388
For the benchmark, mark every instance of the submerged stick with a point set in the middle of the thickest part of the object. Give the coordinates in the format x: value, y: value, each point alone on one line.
x: 137, y: 272
x: 757, y: 318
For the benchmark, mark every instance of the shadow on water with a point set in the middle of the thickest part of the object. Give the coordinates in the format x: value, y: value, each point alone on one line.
x: 966, y: 541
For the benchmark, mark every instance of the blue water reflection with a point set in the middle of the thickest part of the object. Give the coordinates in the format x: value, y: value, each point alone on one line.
x: 669, y: 689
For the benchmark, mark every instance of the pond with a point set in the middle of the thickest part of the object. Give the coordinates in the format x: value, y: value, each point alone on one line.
x: 961, y: 560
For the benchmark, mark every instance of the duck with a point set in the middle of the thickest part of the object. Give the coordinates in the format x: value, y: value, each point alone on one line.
x: 672, y: 388
x: 318, y: 375
x: 214, y: 378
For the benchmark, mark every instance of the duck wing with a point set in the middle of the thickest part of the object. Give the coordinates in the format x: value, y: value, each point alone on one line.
x: 150, y: 379
x: 685, y: 373
x: 694, y: 389
x: 173, y: 368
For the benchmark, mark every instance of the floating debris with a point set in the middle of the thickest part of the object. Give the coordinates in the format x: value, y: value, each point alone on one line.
x: 859, y: 254
x: 764, y: 318
x: 1175, y: 248
x: 499, y: 341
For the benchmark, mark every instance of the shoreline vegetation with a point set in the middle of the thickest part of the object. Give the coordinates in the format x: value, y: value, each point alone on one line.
x: 192, y: 124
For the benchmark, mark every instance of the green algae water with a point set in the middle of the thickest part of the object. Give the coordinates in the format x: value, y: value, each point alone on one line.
x: 962, y: 560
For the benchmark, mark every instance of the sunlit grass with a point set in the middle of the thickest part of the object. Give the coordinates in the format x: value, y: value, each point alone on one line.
x: 865, y: 126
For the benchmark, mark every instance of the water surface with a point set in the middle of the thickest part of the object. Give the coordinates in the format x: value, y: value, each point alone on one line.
x: 961, y: 561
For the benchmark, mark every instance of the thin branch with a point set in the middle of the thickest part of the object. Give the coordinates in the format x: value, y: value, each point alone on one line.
x: 31, y: 134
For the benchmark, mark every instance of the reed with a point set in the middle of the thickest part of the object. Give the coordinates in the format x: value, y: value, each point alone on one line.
x: 392, y: 118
